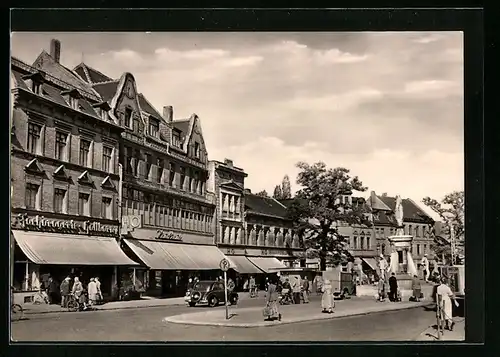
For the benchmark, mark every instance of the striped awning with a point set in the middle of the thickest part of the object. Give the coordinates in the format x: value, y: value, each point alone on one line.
x: 243, y: 265
x: 70, y: 249
x: 266, y: 264
x: 176, y: 256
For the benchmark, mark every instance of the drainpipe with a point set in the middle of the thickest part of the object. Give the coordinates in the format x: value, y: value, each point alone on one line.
x: 120, y: 193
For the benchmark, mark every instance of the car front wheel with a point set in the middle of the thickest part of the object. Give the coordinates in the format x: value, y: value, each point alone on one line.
x: 192, y: 304
x: 213, y: 302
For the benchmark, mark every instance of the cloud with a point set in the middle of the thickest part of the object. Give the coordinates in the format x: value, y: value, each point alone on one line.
x: 433, y: 87
x: 428, y: 39
x: 336, y: 56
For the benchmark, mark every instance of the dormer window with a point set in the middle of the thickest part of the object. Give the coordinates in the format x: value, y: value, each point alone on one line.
x: 102, y: 110
x: 154, y: 127
x: 176, y: 138
x: 34, y: 82
x: 72, y: 97
x: 128, y: 118
x: 197, y: 150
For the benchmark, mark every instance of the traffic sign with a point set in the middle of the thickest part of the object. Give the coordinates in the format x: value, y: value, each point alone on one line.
x: 224, y: 265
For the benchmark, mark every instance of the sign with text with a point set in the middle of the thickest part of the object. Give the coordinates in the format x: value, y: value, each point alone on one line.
x: 43, y: 224
x: 167, y: 235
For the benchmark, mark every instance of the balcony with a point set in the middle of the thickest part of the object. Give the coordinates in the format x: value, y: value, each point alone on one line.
x: 143, y: 182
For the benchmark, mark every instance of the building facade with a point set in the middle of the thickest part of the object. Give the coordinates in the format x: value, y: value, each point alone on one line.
x: 253, y: 231
x: 64, y: 180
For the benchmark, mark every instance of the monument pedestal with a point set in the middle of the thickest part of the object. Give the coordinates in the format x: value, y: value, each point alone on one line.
x: 401, y: 244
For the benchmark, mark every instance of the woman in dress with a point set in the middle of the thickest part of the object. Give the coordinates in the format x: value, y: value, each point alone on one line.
x: 78, y: 292
x: 327, y: 299
x: 272, y: 301
x: 92, y: 290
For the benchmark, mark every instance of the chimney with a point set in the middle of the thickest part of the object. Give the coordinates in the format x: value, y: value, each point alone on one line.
x: 384, y: 194
x: 247, y: 190
x: 55, y: 50
x: 168, y: 113
x: 228, y: 163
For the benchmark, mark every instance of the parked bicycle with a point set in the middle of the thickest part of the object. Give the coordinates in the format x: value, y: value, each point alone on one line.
x: 75, y: 305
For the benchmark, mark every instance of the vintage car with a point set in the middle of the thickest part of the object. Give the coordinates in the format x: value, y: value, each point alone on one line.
x: 209, y: 292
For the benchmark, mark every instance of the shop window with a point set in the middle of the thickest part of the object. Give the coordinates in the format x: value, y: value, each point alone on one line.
x: 107, y: 208
x: 59, y: 200
x: 84, y: 204
x: 62, y: 146
x: 34, y: 138
x: 32, y: 198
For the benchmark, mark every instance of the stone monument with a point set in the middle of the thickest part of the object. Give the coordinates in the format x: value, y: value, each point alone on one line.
x: 401, y: 262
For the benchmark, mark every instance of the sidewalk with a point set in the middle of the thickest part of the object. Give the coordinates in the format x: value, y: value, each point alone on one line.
x: 117, y: 305
x: 458, y: 333
x: 252, y: 317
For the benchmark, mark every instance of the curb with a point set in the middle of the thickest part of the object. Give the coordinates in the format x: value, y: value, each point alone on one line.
x: 176, y: 320
x: 430, y: 334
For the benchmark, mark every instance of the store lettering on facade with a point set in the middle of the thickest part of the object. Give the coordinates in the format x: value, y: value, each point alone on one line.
x: 167, y: 235
x: 42, y: 224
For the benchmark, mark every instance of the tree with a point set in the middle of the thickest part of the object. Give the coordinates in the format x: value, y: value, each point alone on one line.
x: 262, y: 193
x: 319, y: 207
x: 278, y: 194
x: 451, y: 210
x: 286, y: 188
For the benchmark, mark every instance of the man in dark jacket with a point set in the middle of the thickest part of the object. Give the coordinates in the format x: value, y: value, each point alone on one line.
x: 65, y: 289
x: 393, y: 287
x: 52, y: 291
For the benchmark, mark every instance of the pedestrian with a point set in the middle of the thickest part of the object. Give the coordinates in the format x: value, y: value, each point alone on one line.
x: 64, y: 290
x: 305, y: 290
x: 327, y: 302
x: 393, y: 288
x: 92, y: 291
x: 190, y: 284
x: 99, y: 291
x: 272, y: 302
x: 52, y: 290
x: 78, y: 291
x: 416, y: 287
x: 252, y: 288
x: 296, y: 289
x: 425, y: 267
x: 230, y: 285
x: 381, y: 290
x: 245, y: 285
x: 382, y: 267
x: 444, y: 297
x: 319, y: 284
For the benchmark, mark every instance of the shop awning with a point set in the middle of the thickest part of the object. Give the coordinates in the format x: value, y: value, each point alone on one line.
x: 266, y: 264
x: 243, y: 265
x: 371, y: 262
x: 68, y: 249
x: 176, y: 256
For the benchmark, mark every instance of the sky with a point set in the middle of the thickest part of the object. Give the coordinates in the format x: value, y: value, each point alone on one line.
x: 387, y: 105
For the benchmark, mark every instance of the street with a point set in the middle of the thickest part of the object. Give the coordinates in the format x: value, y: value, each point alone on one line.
x: 146, y: 324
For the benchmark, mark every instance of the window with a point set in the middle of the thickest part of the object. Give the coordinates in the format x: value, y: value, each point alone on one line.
x: 106, y: 209
x: 128, y: 117
x: 368, y: 243
x: 197, y: 150
x: 84, y: 152
x: 73, y: 102
x: 31, y: 199
x: 362, y: 239
x: 172, y: 175
x: 159, y: 163
x: 425, y: 248
x: 196, y: 181
x: 176, y: 138
x: 128, y: 158
x: 107, y: 154
x: 35, y: 87
x: 418, y: 249
x: 383, y: 249
x: 183, y: 177
x: 84, y: 204
x: 103, y: 113
x: 61, y: 146
x: 148, y: 164
x: 34, y: 142
x: 59, y: 200
x: 410, y: 230
x: 417, y: 230
x: 135, y: 124
x: 154, y: 127
x: 355, y: 242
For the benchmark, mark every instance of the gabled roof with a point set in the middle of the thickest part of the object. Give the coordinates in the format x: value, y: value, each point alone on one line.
x: 411, y: 210
x: 106, y: 90
x: 148, y: 108
x: 46, y: 63
x: 232, y: 184
x: 91, y: 75
x: 377, y: 204
x: 265, y: 205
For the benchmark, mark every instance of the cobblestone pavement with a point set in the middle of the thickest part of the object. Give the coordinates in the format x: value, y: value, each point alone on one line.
x: 146, y: 324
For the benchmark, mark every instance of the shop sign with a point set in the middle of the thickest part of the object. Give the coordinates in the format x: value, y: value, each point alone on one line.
x: 40, y: 223
x: 167, y: 235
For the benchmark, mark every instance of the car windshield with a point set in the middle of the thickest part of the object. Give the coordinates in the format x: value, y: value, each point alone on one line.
x: 202, y: 285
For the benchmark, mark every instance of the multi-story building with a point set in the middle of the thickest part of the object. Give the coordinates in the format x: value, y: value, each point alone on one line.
x: 64, y: 179
x: 253, y: 231
x: 167, y: 212
x: 105, y: 139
